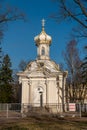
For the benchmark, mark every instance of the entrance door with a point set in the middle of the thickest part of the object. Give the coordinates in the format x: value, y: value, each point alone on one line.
x: 40, y: 90
x: 38, y: 97
x: 41, y: 99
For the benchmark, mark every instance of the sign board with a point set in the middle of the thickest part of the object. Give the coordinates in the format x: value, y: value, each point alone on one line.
x: 72, y: 107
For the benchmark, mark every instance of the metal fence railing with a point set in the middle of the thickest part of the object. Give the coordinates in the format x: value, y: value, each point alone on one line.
x: 18, y: 110
x: 10, y: 110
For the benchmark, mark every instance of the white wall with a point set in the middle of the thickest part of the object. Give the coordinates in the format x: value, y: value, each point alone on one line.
x: 25, y: 91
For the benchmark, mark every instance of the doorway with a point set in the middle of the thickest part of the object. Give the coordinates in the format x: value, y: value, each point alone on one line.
x: 41, y: 99
x: 40, y: 90
x: 38, y: 96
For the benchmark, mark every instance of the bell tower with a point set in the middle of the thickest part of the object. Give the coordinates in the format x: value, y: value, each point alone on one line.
x: 43, y: 42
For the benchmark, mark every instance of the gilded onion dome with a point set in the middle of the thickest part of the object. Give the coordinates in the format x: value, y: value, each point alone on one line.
x: 43, y: 38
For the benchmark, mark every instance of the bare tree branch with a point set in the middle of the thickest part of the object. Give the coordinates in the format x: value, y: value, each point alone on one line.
x: 81, y: 7
x: 73, y: 16
x: 8, y: 14
x: 75, y: 10
x: 11, y: 15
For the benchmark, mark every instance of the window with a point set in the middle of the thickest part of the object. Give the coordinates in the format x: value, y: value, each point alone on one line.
x: 43, y: 51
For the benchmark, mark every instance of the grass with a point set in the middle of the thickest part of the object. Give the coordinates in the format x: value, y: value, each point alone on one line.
x: 44, y: 123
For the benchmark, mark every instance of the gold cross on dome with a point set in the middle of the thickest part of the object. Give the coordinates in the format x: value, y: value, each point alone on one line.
x: 43, y: 23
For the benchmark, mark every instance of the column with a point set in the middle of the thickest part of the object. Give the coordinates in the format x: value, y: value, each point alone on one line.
x: 47, y: 92
x: 30, y: 91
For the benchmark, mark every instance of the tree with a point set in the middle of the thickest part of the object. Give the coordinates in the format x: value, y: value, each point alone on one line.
x: 6, y: 79
x: 22, y: 65
x: 8, y: 14
x: 76, y: 90
x: 84, y: 69
x: 72, y: 59
x: 75, y: 10
x: 6, y: 70
x: 72, y: 9
x: 16, y: 88
x: 0, y: 55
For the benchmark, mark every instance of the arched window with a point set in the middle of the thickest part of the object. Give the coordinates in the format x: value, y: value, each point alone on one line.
x: 43, y: 51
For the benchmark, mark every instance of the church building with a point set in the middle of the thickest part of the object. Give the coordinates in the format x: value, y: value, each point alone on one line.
x: 42, y: 82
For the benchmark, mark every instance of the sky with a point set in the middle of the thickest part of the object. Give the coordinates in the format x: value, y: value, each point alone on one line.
x: 18, y: 41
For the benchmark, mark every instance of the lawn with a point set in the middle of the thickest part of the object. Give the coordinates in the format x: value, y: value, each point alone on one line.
x: 44, y: 123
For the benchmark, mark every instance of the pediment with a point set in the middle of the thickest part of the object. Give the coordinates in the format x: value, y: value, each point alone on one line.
x: 35, y: 74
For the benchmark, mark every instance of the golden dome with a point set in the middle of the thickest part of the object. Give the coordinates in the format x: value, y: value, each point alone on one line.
x: 43, y: 38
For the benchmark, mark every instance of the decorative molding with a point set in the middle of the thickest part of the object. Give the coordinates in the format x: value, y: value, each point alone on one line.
x: 29, y: 82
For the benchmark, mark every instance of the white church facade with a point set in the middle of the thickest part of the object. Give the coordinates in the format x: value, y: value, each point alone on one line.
x: 42, y: 82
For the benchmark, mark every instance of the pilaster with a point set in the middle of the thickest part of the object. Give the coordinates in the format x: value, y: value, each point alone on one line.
x: 30, y: 91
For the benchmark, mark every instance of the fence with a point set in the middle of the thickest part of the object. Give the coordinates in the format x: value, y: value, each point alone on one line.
x: 17, y: 110
x: 10, y: 110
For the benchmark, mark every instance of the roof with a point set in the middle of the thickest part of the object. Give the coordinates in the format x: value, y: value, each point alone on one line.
x: 43, y: 38
x: 41, y: 68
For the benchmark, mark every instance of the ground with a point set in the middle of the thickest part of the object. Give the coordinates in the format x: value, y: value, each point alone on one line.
x: 44, y: 123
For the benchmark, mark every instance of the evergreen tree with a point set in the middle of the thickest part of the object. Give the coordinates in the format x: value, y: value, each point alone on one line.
x: 6, y: 79
x: 7, y: 14
x: 0, y: 55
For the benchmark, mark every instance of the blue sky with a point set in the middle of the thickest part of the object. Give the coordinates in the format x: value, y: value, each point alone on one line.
x: 18, y: 40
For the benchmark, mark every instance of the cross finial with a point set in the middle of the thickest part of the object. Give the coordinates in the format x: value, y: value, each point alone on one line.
x: 43, y: 23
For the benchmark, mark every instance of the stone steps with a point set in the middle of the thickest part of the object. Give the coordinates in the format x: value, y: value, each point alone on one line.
x: 37, y: 110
